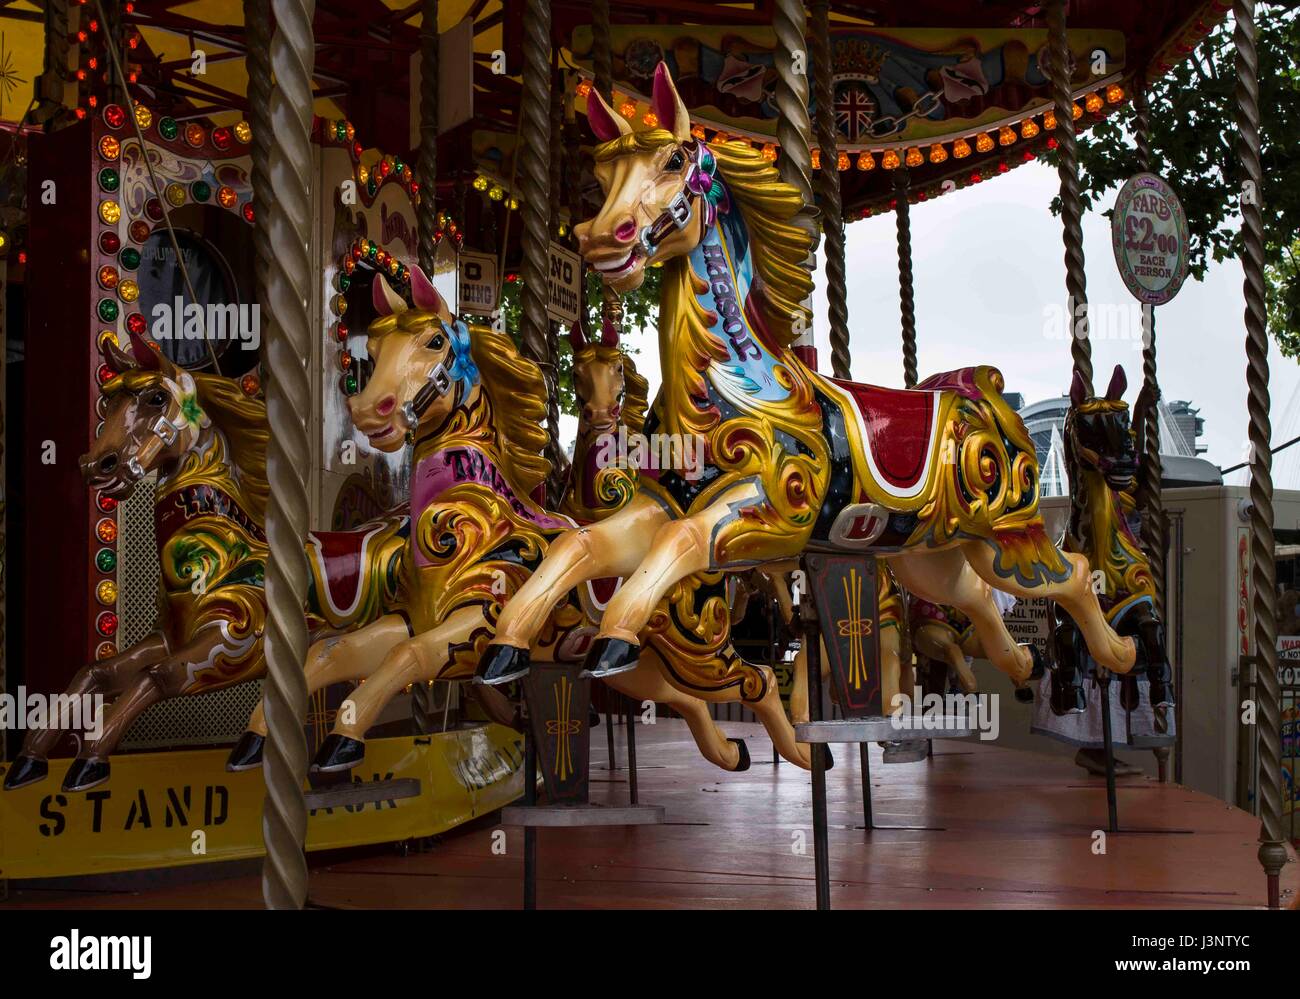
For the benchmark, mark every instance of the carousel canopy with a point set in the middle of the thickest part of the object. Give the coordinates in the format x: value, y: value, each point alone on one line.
x: 952, y: 93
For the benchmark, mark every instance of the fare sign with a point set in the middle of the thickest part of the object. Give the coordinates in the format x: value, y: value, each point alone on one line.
x: 1149, y: 235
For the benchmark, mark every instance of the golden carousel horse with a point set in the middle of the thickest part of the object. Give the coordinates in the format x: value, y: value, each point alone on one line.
x: 472, y: 405
x: 206, y: 439
x: 942, y: 481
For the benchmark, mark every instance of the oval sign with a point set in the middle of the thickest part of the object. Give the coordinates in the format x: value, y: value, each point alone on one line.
x: 1149, y: 236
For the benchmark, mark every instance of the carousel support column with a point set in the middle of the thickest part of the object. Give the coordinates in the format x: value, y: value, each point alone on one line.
x: 828, y: 190
x: 793, y: 126
x: 1263, y: 566
x: 534, y: 167
x: 1071, y: 201
x: 906, y: 292
x: 555, y: 482
x: 1150, y: 502
x: 1107, y: 735
x: 257, y: 22
x: 427, y: 164
x: 602, y: 69
x: 423, y: 709
x: 530, y: 832
x: 288, y: 345
x: 806, y: 621
x: 630, y: 705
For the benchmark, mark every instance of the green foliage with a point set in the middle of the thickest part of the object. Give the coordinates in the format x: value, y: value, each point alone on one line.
x: 1194, y: 147
x: 640, y: 311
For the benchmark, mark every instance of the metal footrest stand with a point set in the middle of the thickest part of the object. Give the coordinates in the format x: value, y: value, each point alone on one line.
x: 557, y: 739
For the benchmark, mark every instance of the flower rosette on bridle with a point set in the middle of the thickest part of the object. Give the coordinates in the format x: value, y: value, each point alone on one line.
x: 703, y: 182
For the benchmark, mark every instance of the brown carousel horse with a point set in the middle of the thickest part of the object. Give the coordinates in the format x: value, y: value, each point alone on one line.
x: 206, y: 440
x: 941, y: 480
x: 1101, y: 458
x: 473, y: 407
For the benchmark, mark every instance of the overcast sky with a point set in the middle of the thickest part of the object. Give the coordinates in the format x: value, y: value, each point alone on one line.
x: 989, y: 268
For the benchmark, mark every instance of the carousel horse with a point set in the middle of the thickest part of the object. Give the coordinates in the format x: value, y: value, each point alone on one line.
x: 941, y: 480
x: 473, y: 407
x: 206, y: 440
x: 1101, y: 459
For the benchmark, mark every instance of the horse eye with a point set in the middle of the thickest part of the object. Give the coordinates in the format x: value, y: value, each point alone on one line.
x: 437, y: 342
x: 676, y: 161
x: 157, y: 399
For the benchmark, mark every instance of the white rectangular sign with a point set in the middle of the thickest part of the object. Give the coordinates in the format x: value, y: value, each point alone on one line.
x: 1031, y: 621
x: 478, y: 283
x: 564, y: 285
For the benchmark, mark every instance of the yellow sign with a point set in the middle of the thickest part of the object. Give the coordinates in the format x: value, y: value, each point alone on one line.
x: 177, y: 808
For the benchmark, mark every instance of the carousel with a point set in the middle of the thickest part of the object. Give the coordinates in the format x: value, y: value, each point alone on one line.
x: 338, y: 514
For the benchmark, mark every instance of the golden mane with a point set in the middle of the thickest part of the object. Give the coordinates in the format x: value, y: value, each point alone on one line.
x: 517, y: 390
x: 240, y: 418
x: 780, y: 247
x: 636, y: 398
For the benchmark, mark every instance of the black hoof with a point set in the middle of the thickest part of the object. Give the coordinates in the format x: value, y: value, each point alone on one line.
x: 338, y: 752
x: 247, y: 754
x: 501, y: 664
x: 827, y: 757
x: 1025, y: 695
x: 1040, y: 665
x: 25, y: 770
x: 744, y: 756
x: 85, y: 774
x: 1068, y: 696
x: 609, y: 657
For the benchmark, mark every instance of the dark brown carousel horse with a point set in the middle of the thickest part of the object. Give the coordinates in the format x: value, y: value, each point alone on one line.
x: 1102, y: 459
x: 206, y: 439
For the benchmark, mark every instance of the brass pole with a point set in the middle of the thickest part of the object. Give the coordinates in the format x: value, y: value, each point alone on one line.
x: 906, y: 293
x: 828, y: 190
x: 288, y: 218
x: 1263, y: 565
x: 427, y: 164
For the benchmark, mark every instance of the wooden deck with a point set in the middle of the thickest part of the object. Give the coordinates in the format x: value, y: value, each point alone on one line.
x: 1010, y: 830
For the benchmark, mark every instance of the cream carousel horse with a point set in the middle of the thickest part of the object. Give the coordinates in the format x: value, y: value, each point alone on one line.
x: 942, y: 481
x: 473, y: 407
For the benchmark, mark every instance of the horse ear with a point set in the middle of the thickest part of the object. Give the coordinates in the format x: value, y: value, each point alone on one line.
x: 1077, y: 391
x: 577, y: 339
x: 668, y: 105
x: 386, y: 301
x: 608, y: 333
x: 114, y: 356
x: 424, y: 294
x: 146, y: 357
x: 605, y: 124
x: 1118, y: 383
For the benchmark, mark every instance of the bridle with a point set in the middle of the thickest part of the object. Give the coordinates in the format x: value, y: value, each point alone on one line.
x: 163, y: 433
x: 437, y: 383
x: 697, y: 180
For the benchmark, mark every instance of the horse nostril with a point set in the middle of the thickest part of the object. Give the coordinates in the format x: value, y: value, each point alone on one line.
x: 107, y: 463
x: 626, y: 231
x: 386, y: 405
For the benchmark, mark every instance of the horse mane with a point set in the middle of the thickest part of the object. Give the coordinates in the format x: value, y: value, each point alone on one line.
x: 516, y: 388
x: 240, y: 418
x: 779, y: 245
x: 636, y: 398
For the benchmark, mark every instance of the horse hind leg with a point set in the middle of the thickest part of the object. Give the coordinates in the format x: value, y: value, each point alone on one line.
x: 1074, y: 594
x: 946, y: 577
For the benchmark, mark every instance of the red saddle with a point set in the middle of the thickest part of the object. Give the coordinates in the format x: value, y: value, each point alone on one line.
x: 340, y: 560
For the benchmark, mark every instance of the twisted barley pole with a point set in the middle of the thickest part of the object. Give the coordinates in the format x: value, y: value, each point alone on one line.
x: 793, y: 127
x: 906, y: 293
x: 1150, y: 501
x: 257, y: 24
x: 1071, y: 201
x: 535, y: 184
x: 426, y: 171
x: 602, y: 69
x: 828, y: 190
x: 288, y: 215
x: 1263, y: 571
x: 555, y: 482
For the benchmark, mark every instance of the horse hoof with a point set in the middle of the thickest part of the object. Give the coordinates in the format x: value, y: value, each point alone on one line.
x: 85, y: 774
x: 828, y: 758
x: 501, y: 664
x: 247, y: 754
x: 609, y: 657
x: 25, y: 770
x: 338, y: 752
x: 1040, y: 665
x: 1025, y: 695
x: 744, y: 756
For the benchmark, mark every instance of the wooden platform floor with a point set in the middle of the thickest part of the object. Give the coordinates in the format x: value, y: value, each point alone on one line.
x: 1010, y: 830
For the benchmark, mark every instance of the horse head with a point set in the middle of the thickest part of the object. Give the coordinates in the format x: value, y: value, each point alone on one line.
x: 600, y: 380
x: 419, y: 369
x: 657, y: 184
x: 1099, y: 433
x: 152, y: 418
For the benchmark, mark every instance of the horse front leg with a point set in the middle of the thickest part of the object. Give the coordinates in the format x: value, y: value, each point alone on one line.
x: 169, y: 677
x: 105, y: 679
x: 613, y: 547
x: 337, y: 659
